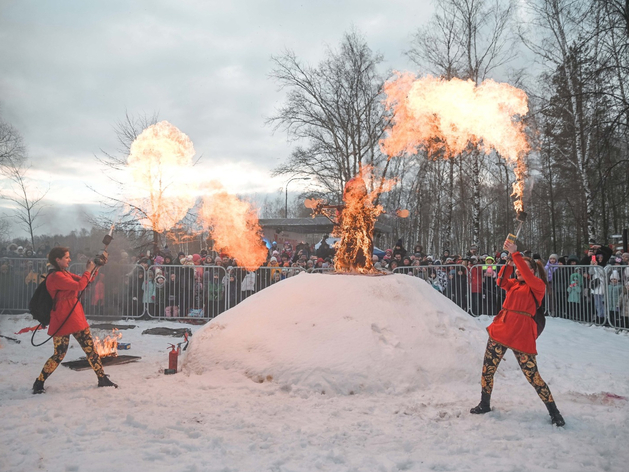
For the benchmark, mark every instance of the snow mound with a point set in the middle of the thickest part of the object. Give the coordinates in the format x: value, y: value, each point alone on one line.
x: 344, y: 334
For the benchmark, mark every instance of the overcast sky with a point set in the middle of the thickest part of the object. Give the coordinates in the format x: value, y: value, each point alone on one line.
x: 72, y: 69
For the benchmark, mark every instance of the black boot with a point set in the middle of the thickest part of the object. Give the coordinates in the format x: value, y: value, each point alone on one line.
x: 105, y: 382
x: 483, y: 406
x: 38, y: 387
x: 555, y: 416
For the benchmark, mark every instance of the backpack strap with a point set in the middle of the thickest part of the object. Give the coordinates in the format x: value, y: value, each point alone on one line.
x: 54, y: 299
x: 536, y: 303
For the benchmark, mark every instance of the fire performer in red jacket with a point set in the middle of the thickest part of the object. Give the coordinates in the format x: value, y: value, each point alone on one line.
x: 514, y: 328
x: 64, y: 287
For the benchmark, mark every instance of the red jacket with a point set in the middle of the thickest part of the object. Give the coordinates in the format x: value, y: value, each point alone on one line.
x: 63, y: 287
x: 476, y: 279
x: 515, y: 330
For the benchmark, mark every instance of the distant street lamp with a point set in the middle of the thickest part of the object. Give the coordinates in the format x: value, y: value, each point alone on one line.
x: 286, y: 190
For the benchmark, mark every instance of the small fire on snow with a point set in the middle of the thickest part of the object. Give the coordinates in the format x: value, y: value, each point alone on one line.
x: 108, y: 347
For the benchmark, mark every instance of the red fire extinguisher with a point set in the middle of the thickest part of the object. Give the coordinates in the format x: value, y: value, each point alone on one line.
x: 173, y: 357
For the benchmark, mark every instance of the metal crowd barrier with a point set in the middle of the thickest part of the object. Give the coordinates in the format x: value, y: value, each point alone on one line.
x: 587, y: 294
x: 116, y: 292
x: 19, y: 277
x: 321, y: 270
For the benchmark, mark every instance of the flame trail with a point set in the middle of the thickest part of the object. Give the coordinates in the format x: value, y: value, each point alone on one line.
x: 234, y: 226
x: 448, y: 115
x: 160, y: 161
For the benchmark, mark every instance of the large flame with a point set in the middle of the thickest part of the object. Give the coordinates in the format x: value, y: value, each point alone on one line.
x: 448, y: 115
x: 160, y: 162
x: 356, y: 222
x: 108, y: 347
x: 234, y: 226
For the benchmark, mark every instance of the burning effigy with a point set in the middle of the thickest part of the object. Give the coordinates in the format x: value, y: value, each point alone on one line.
x: 354, y: 222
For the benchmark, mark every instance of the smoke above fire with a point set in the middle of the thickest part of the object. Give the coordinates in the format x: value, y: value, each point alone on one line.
x: 160, y: 163
x: 446, y: 116
x: 234, y: 226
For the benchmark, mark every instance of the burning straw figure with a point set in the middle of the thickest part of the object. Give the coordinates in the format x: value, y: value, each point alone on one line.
x: 354, y: 224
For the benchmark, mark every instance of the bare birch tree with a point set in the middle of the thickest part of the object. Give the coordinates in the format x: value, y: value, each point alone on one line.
x: 334, y: 111
x: 28, y: 200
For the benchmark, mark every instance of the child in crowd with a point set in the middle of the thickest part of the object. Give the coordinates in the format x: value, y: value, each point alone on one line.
x: 614, y: 295
x: 574, y: 296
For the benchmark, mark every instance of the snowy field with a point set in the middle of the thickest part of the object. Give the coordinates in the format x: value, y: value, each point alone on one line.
x: 320, y: 372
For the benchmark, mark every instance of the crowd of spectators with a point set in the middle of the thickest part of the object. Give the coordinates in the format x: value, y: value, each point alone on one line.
x: 207, y: 283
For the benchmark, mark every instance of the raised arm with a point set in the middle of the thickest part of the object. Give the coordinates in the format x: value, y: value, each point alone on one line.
x: 504, y: 279
x: 59, y: 281
x: 537, y: 285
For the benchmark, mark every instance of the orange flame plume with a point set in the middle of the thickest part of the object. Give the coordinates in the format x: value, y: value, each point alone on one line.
x: 234, y: 226
x: 108, y: 347
x: 448, y: 115
x: 160, y: 161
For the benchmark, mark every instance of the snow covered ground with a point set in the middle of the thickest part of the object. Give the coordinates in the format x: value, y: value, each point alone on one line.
x: 399, y: 364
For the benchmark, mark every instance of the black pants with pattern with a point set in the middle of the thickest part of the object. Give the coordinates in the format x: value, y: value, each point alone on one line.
x: 528, y: 363
x: 61, y: 343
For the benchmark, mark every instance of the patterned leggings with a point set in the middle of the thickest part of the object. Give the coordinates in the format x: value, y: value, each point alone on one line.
x: 494, y: 354
x: 61, y: 347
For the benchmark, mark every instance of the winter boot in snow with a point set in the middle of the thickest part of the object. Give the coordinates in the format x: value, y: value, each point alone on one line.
x: 105, y: 382
x: 483, y: 406
x: 38, y: 387
x: 555, y: 416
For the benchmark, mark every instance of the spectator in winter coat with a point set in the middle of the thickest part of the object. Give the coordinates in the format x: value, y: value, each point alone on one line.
x: 614, y: 294
x: 623, y: 306
x: 458, y: 281
x: 171, y: 296
x: 399, y: 249
x: 98, y: 294
x: 160, y: 290
x: 248, y: 286
x: 67, y: 317
x: 550, y: 267
x: 434, y: 281
x: 594, y: 250
x: 214, y: 290
x: 597, y: 287
x: 574, y: 295
x: 490, y: 289
x: 514, y: 328
x: 476, y: 283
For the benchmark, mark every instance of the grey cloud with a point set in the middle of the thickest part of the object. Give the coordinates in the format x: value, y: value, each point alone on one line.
x: 72, y: 69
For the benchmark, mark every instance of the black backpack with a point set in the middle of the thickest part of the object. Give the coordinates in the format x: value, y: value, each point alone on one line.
x: 540, y: 315
x: 41, y: 304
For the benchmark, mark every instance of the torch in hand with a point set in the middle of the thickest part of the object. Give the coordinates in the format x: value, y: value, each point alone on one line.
x: 101, y: 259
x: 521, y: 218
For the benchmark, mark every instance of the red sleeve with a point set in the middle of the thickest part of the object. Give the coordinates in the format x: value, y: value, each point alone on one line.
x: 538, y: 287
x: 504, y: 279
x: 59, y: 281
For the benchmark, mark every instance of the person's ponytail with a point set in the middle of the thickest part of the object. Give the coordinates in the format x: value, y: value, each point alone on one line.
x: 540, y: 271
